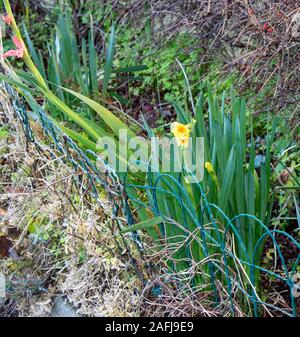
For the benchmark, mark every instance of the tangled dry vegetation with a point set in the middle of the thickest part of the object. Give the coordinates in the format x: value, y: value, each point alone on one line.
x: 54, y: 242
x: 260, y: 39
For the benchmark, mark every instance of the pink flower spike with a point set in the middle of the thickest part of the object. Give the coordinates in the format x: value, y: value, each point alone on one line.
x: 12, y: 53
x: 19, y: 52
x: 7, y: 19
x: 19, y: 44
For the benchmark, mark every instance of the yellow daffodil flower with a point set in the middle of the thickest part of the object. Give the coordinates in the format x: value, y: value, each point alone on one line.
x: 181, y: 132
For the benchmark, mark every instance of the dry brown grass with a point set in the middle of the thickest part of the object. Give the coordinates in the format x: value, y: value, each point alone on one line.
x: 60, y: 241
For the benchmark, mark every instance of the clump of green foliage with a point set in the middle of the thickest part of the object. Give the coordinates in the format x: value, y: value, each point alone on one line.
x: 163, y: 74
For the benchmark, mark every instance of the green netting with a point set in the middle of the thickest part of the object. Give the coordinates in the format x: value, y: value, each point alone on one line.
x: 216, y: 254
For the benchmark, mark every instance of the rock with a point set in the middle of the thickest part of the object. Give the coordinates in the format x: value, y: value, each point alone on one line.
x: 259, y: 159
x: 63, y: 308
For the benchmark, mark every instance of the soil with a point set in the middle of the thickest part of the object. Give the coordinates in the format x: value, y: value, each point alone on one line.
x: 275, y: 289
